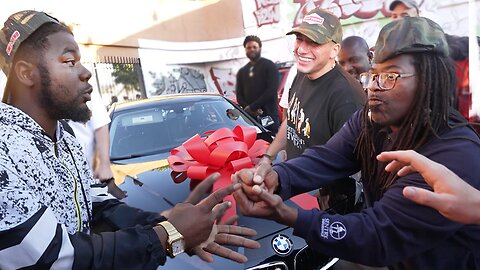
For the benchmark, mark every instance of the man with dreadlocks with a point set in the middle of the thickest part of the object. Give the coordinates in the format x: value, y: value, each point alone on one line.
x: 408, y: 108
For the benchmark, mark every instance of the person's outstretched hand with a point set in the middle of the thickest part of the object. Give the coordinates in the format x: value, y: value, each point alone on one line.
x: 226, y: 234
x: 195, y: 222
x: 222, y: 234
x: 452, y: 197
x: 198, y: 193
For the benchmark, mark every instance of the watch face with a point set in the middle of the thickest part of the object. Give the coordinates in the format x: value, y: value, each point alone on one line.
x: 178, y: 247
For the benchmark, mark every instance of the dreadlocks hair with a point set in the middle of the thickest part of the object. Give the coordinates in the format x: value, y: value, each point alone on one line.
x: 252, y: 38
x: 427, y: 116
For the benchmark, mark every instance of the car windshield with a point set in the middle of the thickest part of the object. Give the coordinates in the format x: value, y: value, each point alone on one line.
x: 157, y: 129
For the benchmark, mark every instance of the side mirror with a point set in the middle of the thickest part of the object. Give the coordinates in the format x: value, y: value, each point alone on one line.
x: 266, y: 120
x: 233, y: 114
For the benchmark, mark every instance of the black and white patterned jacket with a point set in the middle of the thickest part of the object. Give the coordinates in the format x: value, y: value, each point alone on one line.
x: 45, y: 207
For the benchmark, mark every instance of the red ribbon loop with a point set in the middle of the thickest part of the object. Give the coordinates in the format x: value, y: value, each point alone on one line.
x: 225, y: 151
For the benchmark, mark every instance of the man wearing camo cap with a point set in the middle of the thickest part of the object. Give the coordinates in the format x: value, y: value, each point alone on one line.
x: 322, y: 96
x: 408, y: 108
x: 404, y: 8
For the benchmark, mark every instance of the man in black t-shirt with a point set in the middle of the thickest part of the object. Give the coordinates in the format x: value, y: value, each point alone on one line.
x: 323, y: 96
x: 257, y: 84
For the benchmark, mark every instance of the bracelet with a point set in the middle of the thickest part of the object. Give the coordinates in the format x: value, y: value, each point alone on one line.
x: 268, y: 156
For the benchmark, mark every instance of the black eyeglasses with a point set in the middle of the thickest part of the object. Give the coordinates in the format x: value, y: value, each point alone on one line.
x: 385, y: 80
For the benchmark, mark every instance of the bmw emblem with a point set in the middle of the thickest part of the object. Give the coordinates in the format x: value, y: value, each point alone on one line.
x: 282, y: 245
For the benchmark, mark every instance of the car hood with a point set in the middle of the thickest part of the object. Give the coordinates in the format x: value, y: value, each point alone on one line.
x: 149, y: 186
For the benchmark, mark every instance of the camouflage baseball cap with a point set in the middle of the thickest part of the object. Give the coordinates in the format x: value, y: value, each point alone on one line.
x: 18, y: 27
x: 407, y: 3
x: 410, y: 35
x: 321, y: 26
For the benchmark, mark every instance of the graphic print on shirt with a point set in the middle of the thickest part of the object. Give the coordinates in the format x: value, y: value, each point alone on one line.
x: 296, y: 115
x: 335, y: 230
x: 338, y: 230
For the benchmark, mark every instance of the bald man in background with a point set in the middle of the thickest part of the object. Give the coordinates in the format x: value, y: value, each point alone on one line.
x: 355, y: 56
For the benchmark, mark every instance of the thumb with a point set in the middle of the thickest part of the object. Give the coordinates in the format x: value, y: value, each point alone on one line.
x: 421, y: 196
x: 264, y: 195
x: 261, y: 172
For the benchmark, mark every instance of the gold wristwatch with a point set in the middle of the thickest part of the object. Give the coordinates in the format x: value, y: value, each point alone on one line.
x: 175, y: 241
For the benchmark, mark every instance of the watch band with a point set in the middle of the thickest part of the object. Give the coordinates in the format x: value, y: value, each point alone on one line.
x: 175, y: 241
x: 268, y: 156
x: 168, y: 227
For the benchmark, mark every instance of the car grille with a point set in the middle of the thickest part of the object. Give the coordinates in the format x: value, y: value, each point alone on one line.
x: 304, y: 259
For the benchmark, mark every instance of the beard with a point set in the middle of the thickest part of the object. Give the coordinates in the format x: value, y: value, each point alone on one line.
x: 254, y: 56
x: 59, y: 109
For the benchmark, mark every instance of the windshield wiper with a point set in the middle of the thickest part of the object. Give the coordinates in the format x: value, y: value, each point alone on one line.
x: 126, y: 157
x: 148, y: 153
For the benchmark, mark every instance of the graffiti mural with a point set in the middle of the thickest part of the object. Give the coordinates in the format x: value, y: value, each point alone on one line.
x: 267, y: 12
x: 224, y: 80
x: 345, y: 9
x: 178, y: 80
x: 366, y: 18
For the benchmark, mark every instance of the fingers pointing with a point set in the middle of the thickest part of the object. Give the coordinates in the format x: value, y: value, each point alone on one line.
x: 217, y: 197
x: 219, y: 209
x: 202, y: 188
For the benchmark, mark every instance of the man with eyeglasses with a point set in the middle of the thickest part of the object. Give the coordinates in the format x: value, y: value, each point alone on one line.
x: 408, y: 108
x: 458, y: 46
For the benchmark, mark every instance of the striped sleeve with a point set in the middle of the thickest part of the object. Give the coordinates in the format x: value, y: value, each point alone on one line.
x: 42, y: 243
x: 33, y: 237
x: 30, y: 234
x: 39, y: 242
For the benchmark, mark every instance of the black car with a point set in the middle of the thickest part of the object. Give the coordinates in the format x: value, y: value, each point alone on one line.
x: 142, y: 133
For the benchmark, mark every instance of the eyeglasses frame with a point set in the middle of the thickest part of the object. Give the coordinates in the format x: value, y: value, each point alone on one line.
x: 374, y: 76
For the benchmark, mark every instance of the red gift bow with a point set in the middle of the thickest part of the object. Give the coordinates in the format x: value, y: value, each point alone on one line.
x: 225, y: 151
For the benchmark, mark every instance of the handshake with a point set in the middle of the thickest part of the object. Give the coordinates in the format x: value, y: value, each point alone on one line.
x: 258, y: 197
